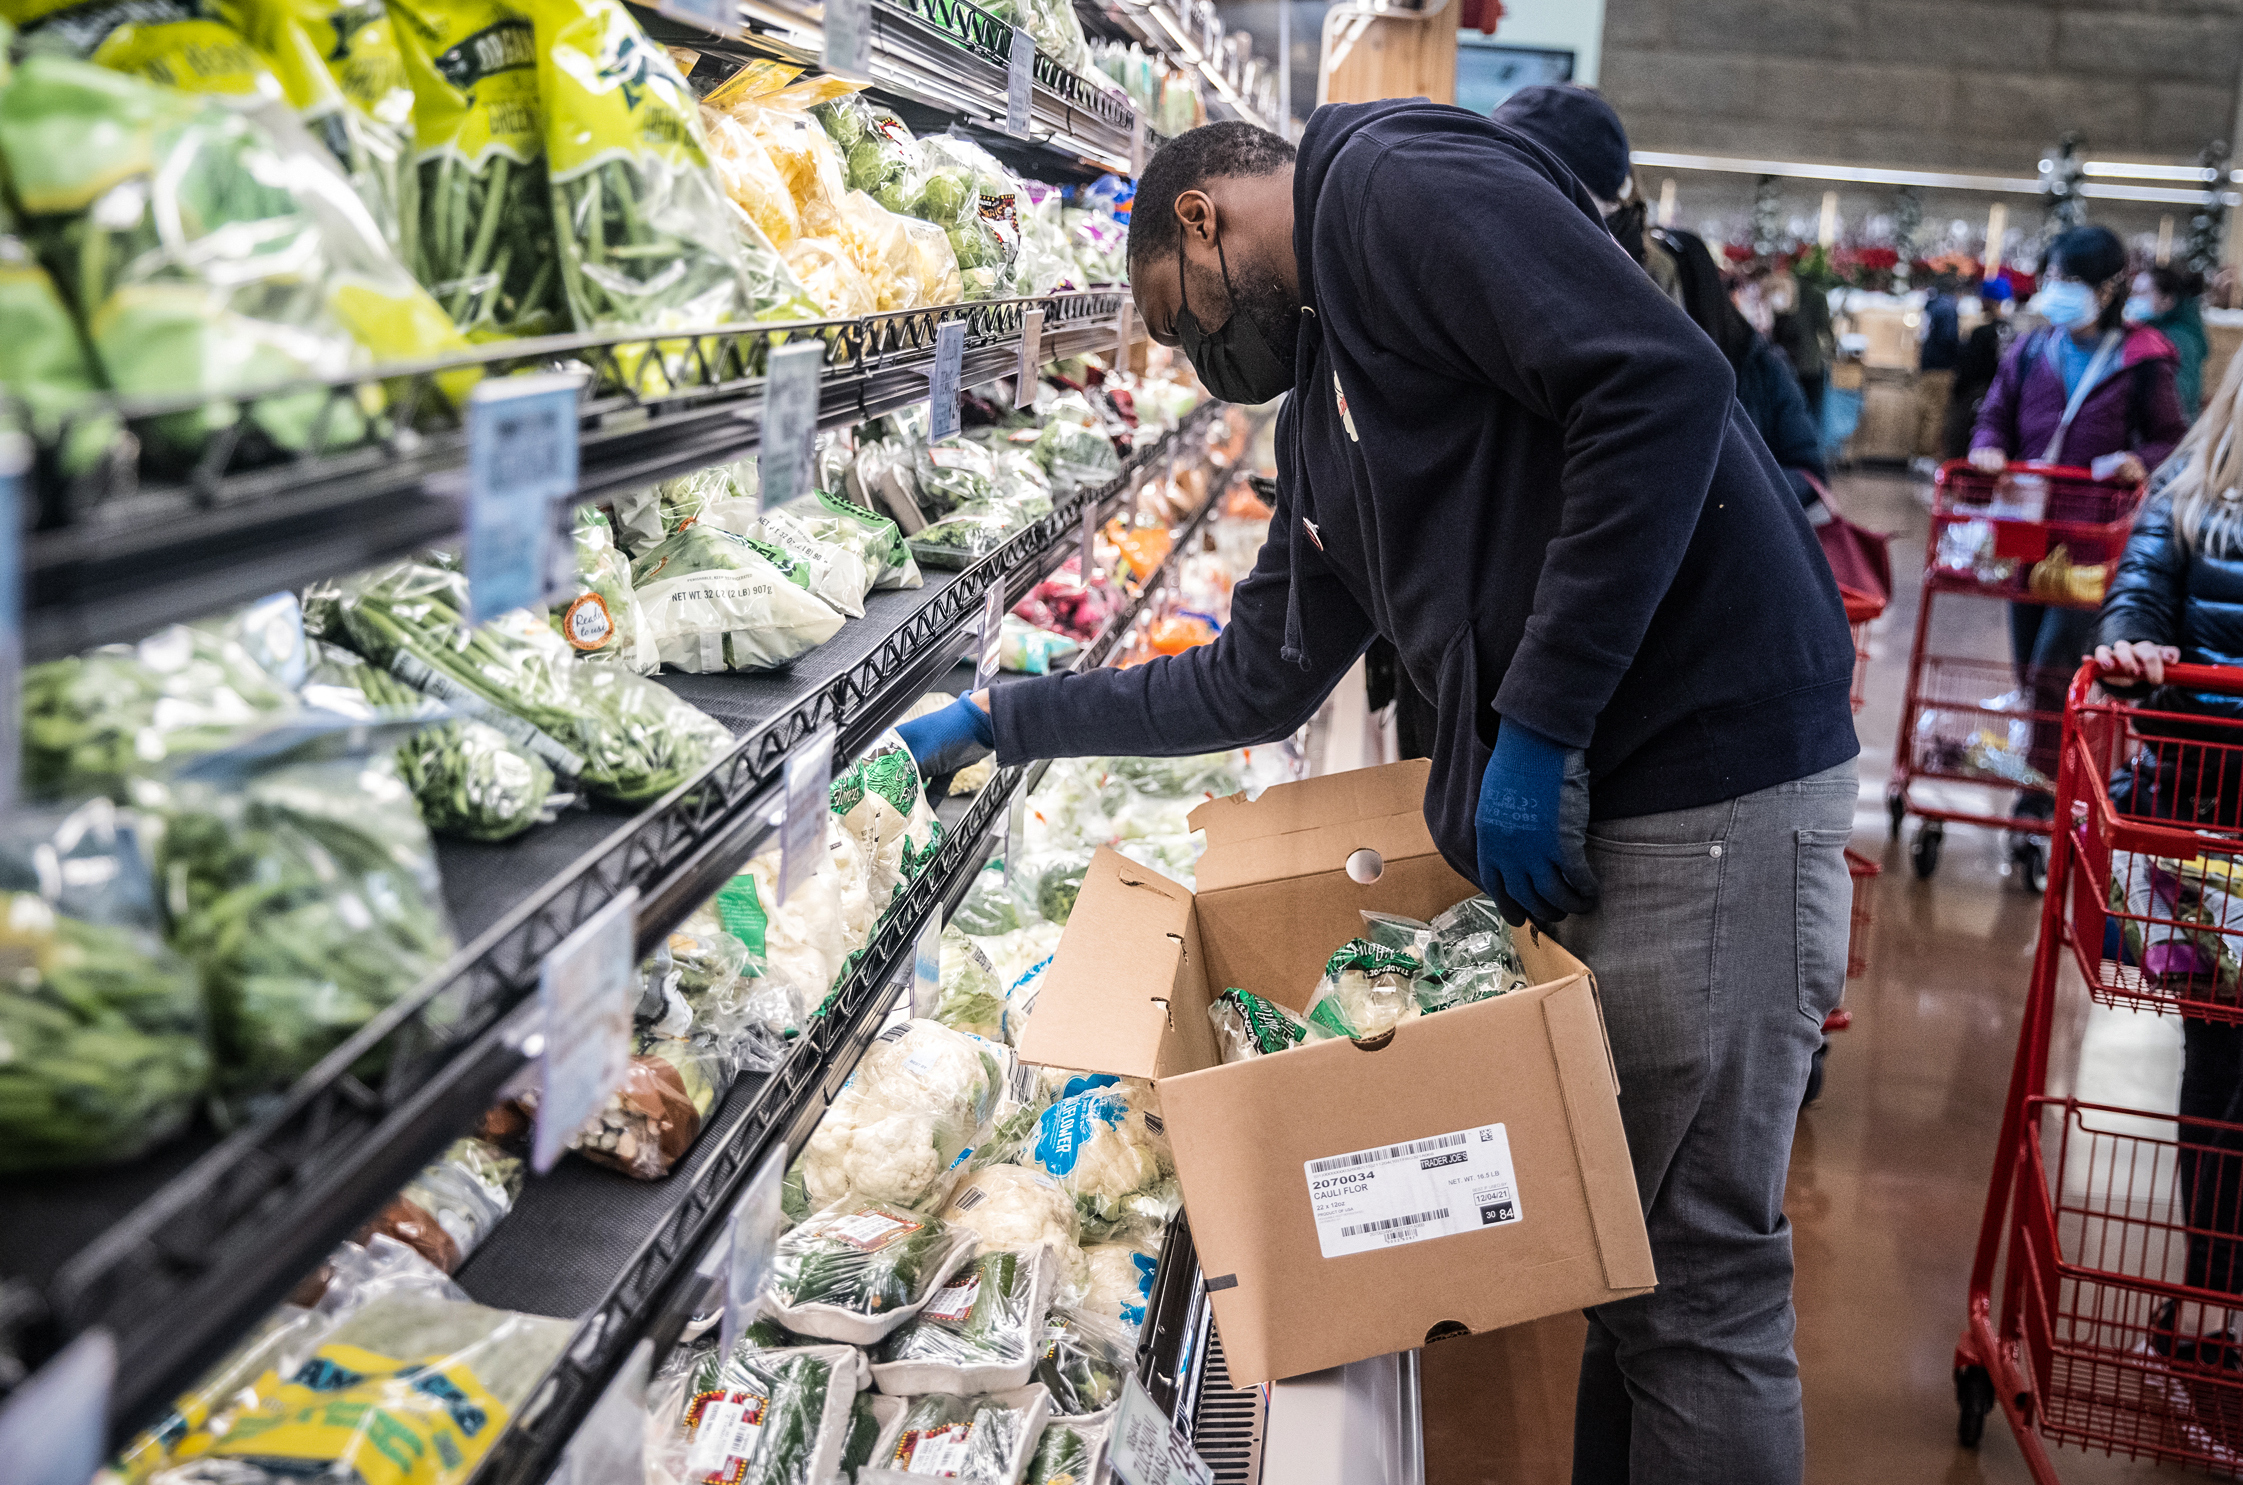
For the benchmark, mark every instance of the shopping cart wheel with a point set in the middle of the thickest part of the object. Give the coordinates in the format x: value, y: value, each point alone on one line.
x: 1923, y: 851
x: 1974, y: 1399
x: 2030, y: 859
x: 1814, y: 1074
x: 1896, y: 805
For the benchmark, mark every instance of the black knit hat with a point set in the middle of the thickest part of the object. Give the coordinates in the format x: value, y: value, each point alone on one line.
x: 1579, y: 127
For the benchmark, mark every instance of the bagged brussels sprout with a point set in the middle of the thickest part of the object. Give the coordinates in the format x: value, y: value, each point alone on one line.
x: 756, y: 1416
x: 602, y: 621
x: 1086, y: 1361
x: 921, y: 1097
x: 1368, y: 989
x: 1471, y: 957
x: 1011, y: 1208
x: 873, y: 538
x: 104, y: 1043
x: 874, y: 1424
x: 879, y: 155
x: 857, y: 1270
x: 1247, y: 1026
x: 1100, y: 1154
x: 979, y: 1332
x: 964, y: 537
x: 971, y: 999
x: 882, y: 805
x: 1121, y: 1281
x: 837, y: 573
x: 716, y: 601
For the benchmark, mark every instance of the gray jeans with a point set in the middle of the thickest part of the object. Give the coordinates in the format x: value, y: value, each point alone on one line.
x: 1718, y: 948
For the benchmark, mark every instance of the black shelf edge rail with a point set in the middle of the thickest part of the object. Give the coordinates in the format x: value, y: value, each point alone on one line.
x: 141, y: 542
x: 662, y: 1285
x: 185, y: 1272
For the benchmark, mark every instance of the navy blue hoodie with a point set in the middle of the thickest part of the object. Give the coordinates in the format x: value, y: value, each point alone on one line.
x: 1510, y: 454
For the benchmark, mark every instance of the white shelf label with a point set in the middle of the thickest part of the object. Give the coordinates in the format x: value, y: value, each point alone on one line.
x: 802, y: 831
x: 848, y: 39
x: 790, y: 421
x: 926, y: 969
x: 1087, y: 557
x: 753, y: 1230
x: 521, y: 463
x: 1031, y: 358
x: 1146, y: 1448
x: 1136, y: 145
x: 1020, y: 84
x: 942, y: 382
x: 1122, y: 333
x: 991, y: 640
x: 585, y: 992
x: 15, y: 464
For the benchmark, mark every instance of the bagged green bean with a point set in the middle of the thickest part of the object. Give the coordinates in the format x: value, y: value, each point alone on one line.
x: 857, y: 1270
x: 980, y: 1332
x: 875, y: 1421
x: 626, y: 738
x: 982, y: 1440
x: 603, y: 621
x: 1086, y: 1361
x: 104, y: 1044
x: 482, y: 240
x: 716, y: 601
x: 47, y: 368
x: 1069, y: 1452
x: 757, y: 1416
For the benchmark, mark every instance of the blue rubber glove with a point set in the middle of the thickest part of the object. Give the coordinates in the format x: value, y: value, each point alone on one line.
x: 944, y: 742
x: 1533, y: 824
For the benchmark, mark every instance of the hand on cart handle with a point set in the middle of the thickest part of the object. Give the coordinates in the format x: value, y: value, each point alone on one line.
x: 2136, y: 659
x: 1993, y: 461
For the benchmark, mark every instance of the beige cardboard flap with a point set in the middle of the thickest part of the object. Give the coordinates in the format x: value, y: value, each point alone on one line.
x: 1246, y: 838
x: 1123, y: 994
x: 1577, y: 1042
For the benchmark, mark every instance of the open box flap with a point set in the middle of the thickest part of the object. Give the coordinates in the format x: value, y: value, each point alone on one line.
x: 1314, y: 824
x: 1124, y: 993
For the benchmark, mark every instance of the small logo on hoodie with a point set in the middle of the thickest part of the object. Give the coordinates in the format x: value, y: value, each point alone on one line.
x: 1339, y: 394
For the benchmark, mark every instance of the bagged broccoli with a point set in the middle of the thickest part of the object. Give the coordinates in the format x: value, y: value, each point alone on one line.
x: 857, y: 1270
x: 104, y: 1042
x: 873, y: 538
x: 882, y: 805
x: 1069, y: 1452
x: 980, y: 1332
x: 1100, y: 1154
x: 1368, y: 989
x: 971, y: 999
x: 716, y: 601
x: 1121, y: 1281
x: 602, y: 621
x: 1247, y: 1026
x: 983, y: 1440
x: 989, y: 907
x: 1086, y: 1361
x: 1471, y: 957
x: 757, y: 1416
x: 922, y: 1096
x: 1014, y: 1209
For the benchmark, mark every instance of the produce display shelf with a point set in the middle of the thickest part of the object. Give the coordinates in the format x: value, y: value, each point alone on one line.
x: 137, y: 544
x: 1159, y: 28
x: 174, y: 1262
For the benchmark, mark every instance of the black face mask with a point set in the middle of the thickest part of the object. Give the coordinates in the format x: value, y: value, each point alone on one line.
x: 1249, y: 359
x: 1626, y: 226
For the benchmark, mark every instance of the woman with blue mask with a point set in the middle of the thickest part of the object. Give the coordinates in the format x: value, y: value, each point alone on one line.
x: 2087, y: 386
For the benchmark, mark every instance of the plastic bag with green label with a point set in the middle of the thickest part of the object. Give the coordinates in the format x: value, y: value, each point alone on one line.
x: 873, y: 537
x: 716, y: 601
x: 882, y: 804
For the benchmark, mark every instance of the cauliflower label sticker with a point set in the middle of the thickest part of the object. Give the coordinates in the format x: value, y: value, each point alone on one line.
x: 1412, y: 1192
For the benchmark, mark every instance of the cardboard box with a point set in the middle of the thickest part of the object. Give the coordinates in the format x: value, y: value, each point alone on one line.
x: 1559, y: 1227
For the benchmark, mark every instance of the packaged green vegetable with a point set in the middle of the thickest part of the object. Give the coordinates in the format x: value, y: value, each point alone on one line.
x: 1068, y: 1453
x: 1247, y: 1026
x: 1368, y: 989
x: 1086, y: 1361
x: 104, y: 1046
x: 874, y: 1423
x: 955, y: 472
x: 963, y: 537
x: 879, y: 155
x: 602, y: 621
x: 983, y: 1440
x: 979, y: 1332
x: 716, y: 601
x: 874, y: 537
x: 626, y: 738
x: 857, y: 1270
x: 837, y: 573
x: 989, y: 906
x: 1471, y: 957
x: 757, y: 1416
x: 971, y: 998
x: 47, y: 367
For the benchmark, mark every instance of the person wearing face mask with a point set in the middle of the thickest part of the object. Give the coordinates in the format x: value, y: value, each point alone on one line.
x: 2086, y: 387
x: 1505, y: 450
x: 2170, y: 301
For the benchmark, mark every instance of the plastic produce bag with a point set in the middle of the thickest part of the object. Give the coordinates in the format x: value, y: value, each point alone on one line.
x: 104, y: 1043
x: 881, y: 804
x: 954, y: 473
x: 831, y: 277
x: 744, y: 169
x: 1247, y: 1026
x: 602, y: 622
x: 971, y: 998
x: 837, y: 573
x: 1075, y: 455
x: 1368, y: 989
x: 875, y: 1422
x: 989, y: 908
x: 799, y: 943
x: 626, y: 738
x: 304, y: 890
x: 982, y: 1440
x: 800, y: 151
x: 880, y: 157
x: 909, y: 263
x: 758, y: 1416
x: 1099, y: 1154
x: 874, y: 538
x: 1121, y: 1281
x: 1068, y: 1452
x: 48, y: 370
x: 1471, y: 957
x: 446, y: 1211
x: 716, y: 601
x: 921, y: 1097
x: 963, y: 537
x: 1087, y: 1359
x: 980, y: 1332
x: 857, y: 1270
x: 1026, y: 650
x: 1011, y: 1208
x: 649, y: 1123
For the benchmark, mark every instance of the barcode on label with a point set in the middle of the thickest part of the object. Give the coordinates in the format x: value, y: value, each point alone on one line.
x: 1391, y: 1152
x: 971, y: 1197
x: 1393, y: 1222
x: 895, y: 1033
x: 1023, y: 1083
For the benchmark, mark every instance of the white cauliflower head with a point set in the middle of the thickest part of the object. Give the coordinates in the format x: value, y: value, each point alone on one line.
x: 1144, y: 1114
x: 858, y: 907
x: 1012, y: 1207
x: 920, y: 1098
x: 1091, y: 1146
x: 888, y: 1156
x: 1120, y: 1282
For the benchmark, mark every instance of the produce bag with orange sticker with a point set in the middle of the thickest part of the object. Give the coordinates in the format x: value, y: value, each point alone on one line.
x: 602, y: 621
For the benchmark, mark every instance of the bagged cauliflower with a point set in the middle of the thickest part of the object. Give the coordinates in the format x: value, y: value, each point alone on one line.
x: 1020, y: 999
x: 1247, y: 1026
x: 802, y: 940
x: 1144, y: 1112
x: 852, y: 884
x: 755, y: 1416
x: 1121, y: 1281
x: 972, y: 1000
x: 1016, y: 953
x: 979, y: 1332
x: 1368, y: 989
x: 919, y: 1100
x: 1098, y: 1149
x: 1471, y: 957
x: 858, y: 1269
x: 1012, y: 1208
x: 882, y: 805
x: 1086, y: 1361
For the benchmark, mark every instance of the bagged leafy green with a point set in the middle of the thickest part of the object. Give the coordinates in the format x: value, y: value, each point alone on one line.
x: 1368, y: 989
x: 1067, y: 1453
x: 982, y: 1440
x: 1471, y: 957
x: 628, y: 739
x: 963, y: 537
x: 1086, y: 1361
x: 874, y: 538
x: 971, y: 999
x: 989, y: 906
x: 756, y: 1416
x: 837, y: 574
x: 955, y: 472
x: 979, y: 1332
x: 1076, y: 455
x: 858, y: 1269
x: 603, y: 622
x: 716, y: 601
x: 104, y: 1043
x: 304, y: 890
x: 1247, y: 1026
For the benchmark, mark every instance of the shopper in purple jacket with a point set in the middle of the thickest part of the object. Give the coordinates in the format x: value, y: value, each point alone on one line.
x: 2087, y: 386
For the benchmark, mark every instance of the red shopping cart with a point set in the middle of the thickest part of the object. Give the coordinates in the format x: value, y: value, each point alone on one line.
x: 2117, y: 1234
x: 2034, y: 533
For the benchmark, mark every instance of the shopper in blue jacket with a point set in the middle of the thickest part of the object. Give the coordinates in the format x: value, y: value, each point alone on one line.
x: 1508, y: 453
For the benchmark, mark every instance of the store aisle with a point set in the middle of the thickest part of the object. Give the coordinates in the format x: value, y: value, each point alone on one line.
x: 1889, y: 1172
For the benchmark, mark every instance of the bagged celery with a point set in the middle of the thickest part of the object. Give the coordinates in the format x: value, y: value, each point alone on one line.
x: 882, y: 805
x: 482, y: 239
x: 715, y: 601
x: 1368, y: 989
x: 1247, y: 1026
x: 603, y: 622
x: 979, y: 1332
x: 873, y: 537
x: 104, y: 1042
x: 982, y: 1440
x: 1086, y: 1361
x: 857, y: 1270
x: 759, y: 1416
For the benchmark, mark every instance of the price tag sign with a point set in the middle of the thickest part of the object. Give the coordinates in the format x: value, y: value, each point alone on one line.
x: 1016, y: 833
x: 802, y: 831
x: 1087, y: 558
x: 790, y: 421
x: 751, y: 1232
x: 521, y: 463
x: 992, y: 634
x: 52, y: 1425
x: 1122, y: 334
x: 1020, y: 83
x: 1031, y: 358
x: 926, y: 969
x: 1136, y: 145
x: 1145, y: 1448
x: 848, y: 39
x: 585, y: 992
x: 942, y: 382
x: 15, y: 466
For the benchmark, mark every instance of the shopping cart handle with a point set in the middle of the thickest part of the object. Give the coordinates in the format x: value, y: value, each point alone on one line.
x: 2227, y: 679
x: 2031, y: 466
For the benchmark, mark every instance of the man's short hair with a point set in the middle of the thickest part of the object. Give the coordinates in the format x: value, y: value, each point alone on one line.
x: 1187, y: 163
